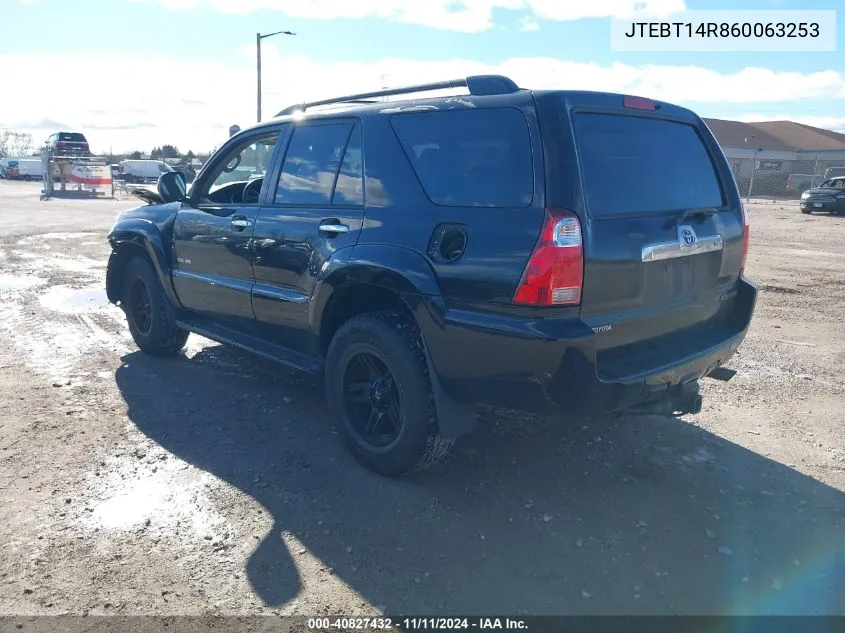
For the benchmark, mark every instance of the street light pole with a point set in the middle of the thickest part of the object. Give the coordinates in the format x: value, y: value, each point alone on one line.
x: 258, y: 38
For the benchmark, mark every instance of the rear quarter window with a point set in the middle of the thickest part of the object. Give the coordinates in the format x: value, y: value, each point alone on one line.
x: 637, y: 165
x: 470, y: 158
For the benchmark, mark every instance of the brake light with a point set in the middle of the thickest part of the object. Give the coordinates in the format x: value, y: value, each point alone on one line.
x: 638, y: 103
x: 745, y: 236
x: 554, y: 275
x: 60, y: 144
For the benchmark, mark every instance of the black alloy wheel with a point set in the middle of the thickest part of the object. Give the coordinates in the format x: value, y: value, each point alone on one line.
x: 372, y: 399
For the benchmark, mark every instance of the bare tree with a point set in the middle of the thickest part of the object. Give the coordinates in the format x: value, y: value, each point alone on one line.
x: 21, y: 144
x: 15, y: 144
x: 4, y: 143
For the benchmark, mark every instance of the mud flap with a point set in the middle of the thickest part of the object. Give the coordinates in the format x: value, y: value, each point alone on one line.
x: 454, y: 419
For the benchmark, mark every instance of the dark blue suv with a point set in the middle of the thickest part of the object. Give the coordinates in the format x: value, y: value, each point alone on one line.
x: 539, y: 250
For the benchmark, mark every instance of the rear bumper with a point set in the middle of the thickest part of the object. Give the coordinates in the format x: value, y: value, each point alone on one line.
x: 547, y: 364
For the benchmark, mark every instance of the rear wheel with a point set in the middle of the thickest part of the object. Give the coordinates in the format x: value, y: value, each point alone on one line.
x: 806, y: 211
x: 150, y: 318
x: 378, y: 389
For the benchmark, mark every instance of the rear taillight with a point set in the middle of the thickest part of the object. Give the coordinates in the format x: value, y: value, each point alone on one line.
x: 744, y: 236
x: 554, y: 275
x: 60, y: 144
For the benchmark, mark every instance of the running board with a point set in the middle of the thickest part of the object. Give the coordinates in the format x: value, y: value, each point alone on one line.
x: 273, y: 351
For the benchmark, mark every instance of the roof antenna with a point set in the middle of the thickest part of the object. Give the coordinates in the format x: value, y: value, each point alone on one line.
x: 384, y: 86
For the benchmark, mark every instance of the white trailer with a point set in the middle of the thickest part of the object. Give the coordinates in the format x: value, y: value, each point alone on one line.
x: 142, y: 170
x: 25, y: 168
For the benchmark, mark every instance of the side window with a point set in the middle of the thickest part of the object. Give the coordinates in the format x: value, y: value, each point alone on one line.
x: 470, y: 158
x: 243, y: 163
x: 311, y: 164
x: 349, y: 189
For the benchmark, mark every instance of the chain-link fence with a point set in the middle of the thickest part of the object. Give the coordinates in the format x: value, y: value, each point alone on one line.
x: 775, y: 178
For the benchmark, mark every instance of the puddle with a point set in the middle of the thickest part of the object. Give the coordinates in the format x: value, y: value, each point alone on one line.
x: 164, y: 494
x: 53, y: 236
x: 59, y: 262
x: 19, y: 282
x: 75, y: 301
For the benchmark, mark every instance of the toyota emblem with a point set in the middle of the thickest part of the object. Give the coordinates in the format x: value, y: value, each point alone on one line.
x: 688, y: 237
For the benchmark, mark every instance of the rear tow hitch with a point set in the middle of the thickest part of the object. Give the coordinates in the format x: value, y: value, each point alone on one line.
x: 722, y: 373
x: 685, y: 400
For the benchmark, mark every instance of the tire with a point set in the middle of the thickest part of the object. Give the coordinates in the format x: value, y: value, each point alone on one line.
x: 154, y: 330
x: 806, y: 211
x: 393, y: 343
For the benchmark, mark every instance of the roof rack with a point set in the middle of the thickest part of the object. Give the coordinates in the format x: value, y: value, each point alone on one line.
x: 477, y: 85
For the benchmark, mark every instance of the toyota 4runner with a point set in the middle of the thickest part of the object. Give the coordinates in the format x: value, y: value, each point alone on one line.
x: 537, y: 250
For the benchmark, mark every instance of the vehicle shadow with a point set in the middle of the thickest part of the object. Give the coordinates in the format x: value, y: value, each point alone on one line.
x: 642, y: 516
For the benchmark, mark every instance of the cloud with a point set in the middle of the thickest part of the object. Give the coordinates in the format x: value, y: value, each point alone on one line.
x: 467, y: 16
x: 193, y: 105
x: 527, y: 23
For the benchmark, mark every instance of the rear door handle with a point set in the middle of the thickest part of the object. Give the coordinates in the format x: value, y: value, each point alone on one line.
x: 240, y: 223
x: 333, y: 227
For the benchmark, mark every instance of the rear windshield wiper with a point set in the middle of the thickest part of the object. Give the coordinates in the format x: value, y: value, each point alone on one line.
x: 691, y: 213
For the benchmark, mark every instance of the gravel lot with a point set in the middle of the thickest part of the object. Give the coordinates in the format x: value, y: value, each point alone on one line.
x: 213, y: 482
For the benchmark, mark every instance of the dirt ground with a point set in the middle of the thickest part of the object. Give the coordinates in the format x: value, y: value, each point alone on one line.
x: 213, y: 482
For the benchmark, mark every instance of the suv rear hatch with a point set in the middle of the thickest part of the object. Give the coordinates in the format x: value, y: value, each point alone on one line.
x: 664, y: 230
x: 71, y: 143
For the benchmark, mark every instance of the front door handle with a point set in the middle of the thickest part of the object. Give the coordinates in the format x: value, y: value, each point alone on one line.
x: 333, y: 227
x: 240, y: 223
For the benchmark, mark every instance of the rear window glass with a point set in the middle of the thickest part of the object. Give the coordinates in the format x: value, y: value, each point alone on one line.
x: 71, y: 137
x: 637, y: 165
x: 470, y: 158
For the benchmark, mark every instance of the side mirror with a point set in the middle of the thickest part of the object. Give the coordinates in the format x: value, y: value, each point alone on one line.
x: 172, y: 187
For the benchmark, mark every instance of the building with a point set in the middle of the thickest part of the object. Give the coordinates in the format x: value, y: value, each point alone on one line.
x: 772, y: 150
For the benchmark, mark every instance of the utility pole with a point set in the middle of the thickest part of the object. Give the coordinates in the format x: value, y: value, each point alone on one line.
x: 258, y: 38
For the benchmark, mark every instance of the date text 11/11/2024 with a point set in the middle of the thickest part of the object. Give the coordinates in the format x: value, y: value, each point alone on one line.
x: 416, y: 624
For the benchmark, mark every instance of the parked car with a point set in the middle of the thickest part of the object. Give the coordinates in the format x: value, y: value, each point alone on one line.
x: 566, y: 251
x: 142, y: 170
x: 68, y: 144
x: 834, y: 172
x: 828, y: 196
x: 9, y: 169
x: 801, y: 182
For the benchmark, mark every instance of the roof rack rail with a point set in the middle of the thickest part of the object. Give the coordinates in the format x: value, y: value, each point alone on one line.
x: 478, y: 85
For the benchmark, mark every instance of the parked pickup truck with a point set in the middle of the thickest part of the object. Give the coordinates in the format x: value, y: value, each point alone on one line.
x: 566, y: 251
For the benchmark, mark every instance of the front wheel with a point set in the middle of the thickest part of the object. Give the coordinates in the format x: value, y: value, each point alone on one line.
x: 378, y: 389
x: 150, y: 318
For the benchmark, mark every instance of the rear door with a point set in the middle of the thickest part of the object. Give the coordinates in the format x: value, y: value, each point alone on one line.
x: 314, y: 209
x: 664, y: 226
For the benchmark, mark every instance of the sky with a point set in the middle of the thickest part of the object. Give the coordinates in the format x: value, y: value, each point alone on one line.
x: 134, y: 74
